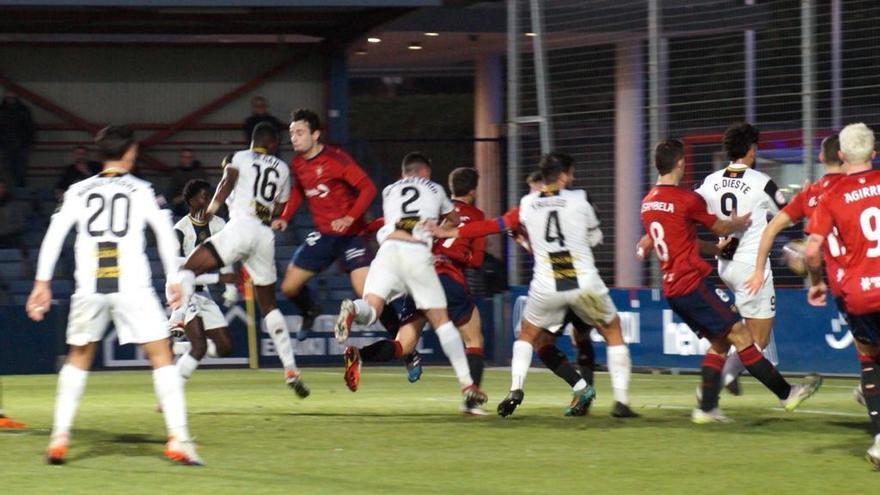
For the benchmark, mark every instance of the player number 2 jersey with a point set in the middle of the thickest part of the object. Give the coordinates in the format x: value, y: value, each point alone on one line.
x: 408, y: 203
x: 110, y: 213
x: 741, y: 189
x: 557, y: 222
x: 263, y: 180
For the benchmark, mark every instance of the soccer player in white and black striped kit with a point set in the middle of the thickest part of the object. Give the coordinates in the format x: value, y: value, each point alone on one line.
x: 110, y: 212
x: 740, y: 188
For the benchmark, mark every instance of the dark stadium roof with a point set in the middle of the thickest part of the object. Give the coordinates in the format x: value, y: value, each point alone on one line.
x: 335, y: 20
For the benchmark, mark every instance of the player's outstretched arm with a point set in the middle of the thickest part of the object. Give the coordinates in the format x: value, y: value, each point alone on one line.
x: 779, y: 222
x: 736, y: 223
x: 224, y: 189
x: 813, y: 258
x: 41, y: 296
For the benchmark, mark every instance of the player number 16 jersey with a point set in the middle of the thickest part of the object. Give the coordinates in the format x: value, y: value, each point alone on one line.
x: 263, y: 180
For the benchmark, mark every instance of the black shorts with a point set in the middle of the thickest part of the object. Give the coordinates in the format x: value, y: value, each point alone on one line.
x: 704, y: 310
x: 319, y: 251
x: 459, y: 303
x: 865, y: 328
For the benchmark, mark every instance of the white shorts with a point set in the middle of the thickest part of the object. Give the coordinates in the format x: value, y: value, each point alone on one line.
x: 250, y: 242
x: 137, y: 315
x: 547, y: 309
x: 761, y: 305
x: 204, y: 307
x: 402, y: 267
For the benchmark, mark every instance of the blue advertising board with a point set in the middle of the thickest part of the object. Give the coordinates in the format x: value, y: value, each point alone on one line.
x: 807, y: 338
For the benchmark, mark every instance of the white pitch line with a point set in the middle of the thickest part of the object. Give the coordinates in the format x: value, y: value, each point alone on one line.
x: 775, y: 409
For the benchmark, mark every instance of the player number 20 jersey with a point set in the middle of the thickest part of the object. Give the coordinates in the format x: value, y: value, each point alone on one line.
x: 263, y: 180
x: 408, y: 203
x: 110, y: 213
x: 557, y: 223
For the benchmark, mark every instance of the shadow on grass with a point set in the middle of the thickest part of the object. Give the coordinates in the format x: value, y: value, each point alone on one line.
x: 101, y: 443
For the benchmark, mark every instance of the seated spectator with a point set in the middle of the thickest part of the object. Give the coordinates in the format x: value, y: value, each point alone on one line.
x: 260, y: 109
x: 17, y: 130
x: 80, y: 168
x: 188, y: 168
x: 13, y: 220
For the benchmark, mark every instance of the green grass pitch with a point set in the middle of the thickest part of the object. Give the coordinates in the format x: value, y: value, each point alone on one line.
x: 394, y: 437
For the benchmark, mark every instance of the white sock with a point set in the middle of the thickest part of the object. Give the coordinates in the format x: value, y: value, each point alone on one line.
x: 169, y: 390
x: 277, y: 328
x: 212, y: 349
x: 877, y: 438
x: 733, y: 367
x: 71, y: 384
x: 453, y: 347
x: 580, y: 385
x: 365, y: 314
x: 519, y: 364
x: 619, y: 367
x: 186, y: 364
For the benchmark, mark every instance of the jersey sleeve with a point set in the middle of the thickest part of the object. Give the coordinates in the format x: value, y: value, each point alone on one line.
x: 590, y: 217
x: 777, y: 199
x: 481, y: 228
x: 357, y: 179
x: 446, y: 205
x: 160, y: 221
x: 180, y: 237
x: 284, y: 195
x: 795, y: 209
x: 478, y: 247
x: 229, y: 161
x: 821, y: 222
x: 62, y: 221
x: 698, y: 211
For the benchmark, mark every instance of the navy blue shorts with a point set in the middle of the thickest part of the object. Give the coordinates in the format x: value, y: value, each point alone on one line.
x: 459, y: 303
x: 705, y: 311
x: 321, y: 250
x: 865, y: 328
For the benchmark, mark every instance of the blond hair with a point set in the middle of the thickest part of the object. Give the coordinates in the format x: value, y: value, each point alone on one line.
x: 857, y: 143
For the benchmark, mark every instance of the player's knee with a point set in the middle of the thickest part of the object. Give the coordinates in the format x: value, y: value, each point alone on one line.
x: 739, y: 336
x: 290, y: 288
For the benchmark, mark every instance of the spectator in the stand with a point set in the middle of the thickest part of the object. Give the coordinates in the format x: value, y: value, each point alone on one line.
x: 13, y: 219
x: 17, y: 132
x: 260, y: 113
x: 80, y: 168
x: 188, y: 168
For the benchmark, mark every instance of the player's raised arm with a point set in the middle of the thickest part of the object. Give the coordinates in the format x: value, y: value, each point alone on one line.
x: 224, y: 188
x: 41, y: 296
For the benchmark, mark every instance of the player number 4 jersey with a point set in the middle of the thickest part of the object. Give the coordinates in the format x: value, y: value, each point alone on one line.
x: 741, y: 189
x: 557, y: 223
x: 263, y: 180
x: 110, y: 213
x: 409, y: 203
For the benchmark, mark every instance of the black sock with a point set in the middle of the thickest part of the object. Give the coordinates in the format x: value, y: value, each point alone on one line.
x: 475, y: 363
x: 304, y: 301
x: 381, y: 351
x: 389, y: 320
x: 711, y: 385
x: 764, y: 371
x: 586, y: 356
x: 871, y: 391
x: 554, y: 359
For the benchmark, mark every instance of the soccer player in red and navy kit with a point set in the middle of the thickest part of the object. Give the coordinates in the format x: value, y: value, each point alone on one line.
x: 451, y: 258
x: 670, y: 215
x: 338, y: 193
x: 850, y: 209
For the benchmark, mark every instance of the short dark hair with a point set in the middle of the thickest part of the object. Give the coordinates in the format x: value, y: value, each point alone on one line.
x: 463, y: 180
x: 534, y: 176
x: 666, y: 154
x: 194, y: 187
x: 113, y: 141
x: 265, y: 132
x: 309, y: 117
x: 553, y: 164
x: 413, y: 161
x: 830, y: 147
x: 739, y: 138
